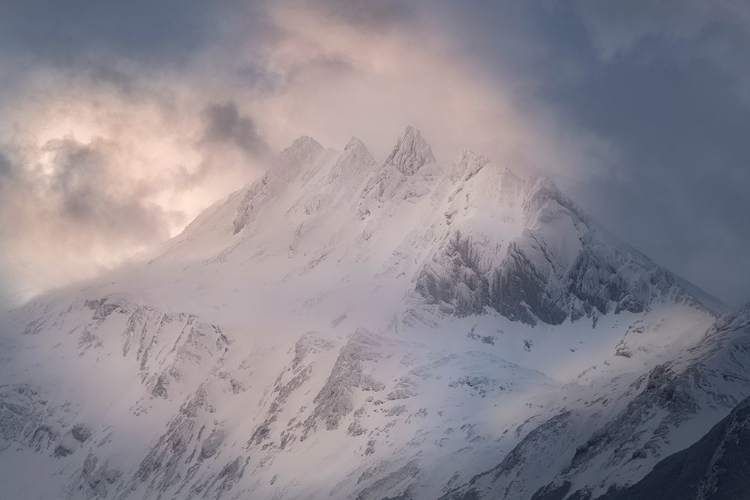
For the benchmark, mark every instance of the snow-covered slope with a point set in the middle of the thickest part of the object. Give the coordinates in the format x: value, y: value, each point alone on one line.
x: 713, y: 468
x: 617, y: 436
x: 347, y: 327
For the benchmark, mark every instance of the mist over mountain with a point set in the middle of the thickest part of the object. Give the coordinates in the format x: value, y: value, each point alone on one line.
x: 359, y: 326
x: 121, y: 122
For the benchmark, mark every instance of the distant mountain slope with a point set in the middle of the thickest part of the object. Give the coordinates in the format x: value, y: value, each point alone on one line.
x: 674, y: 402
x: 717, y: 467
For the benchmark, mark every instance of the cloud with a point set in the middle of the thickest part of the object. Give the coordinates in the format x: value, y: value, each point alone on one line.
x: 364, y: 14
x: 88, y: 190
x: 225, y: 125
x: 669, y: 92
x: 617, y: 27
x: 654, y: 96
x: 91, y: 175
x: 636, y: 109
x: 78, y: 31
x: 74, y: 201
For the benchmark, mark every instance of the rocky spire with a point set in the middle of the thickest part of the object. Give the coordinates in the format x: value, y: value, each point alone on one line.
x: 411, y: 152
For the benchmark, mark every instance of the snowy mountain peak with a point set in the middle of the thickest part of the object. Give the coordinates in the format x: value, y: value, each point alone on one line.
x: 304, y: 149
x: 470, y: 164
x: 544, y: 194
x: 357, y: 152
x: 411, y: 152
x: 353, y: 162
x: 542, y: 188
x: 735, y: 319
x: 301, y: 154
x: 355, y: 143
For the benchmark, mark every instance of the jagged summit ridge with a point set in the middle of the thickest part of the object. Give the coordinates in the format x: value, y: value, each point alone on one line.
x: 301, y: 154
x: 411, y: 152
x: 470, y: 164
x: 304, y: 149
x: 516, y: 246
x: 355, y: 143
x: 353, y: 162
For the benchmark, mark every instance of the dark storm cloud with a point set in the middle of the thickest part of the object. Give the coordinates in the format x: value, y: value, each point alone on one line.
x: 364, y: 13
x: 87, y: 195
x: 92, y: 193
x: 684, y: 167
x: 71, y: 214
x: 668, y: 96
x: 124, y: 43
x: 225, y: 130
x: 117, y: 44
x: 224, y: 124
x: 6, y: 169
x: 72, y: 31
x: 665, y: 84
x: 321, y: 66
x: 88, y: 191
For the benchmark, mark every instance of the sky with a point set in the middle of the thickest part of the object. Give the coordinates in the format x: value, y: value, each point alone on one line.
x: 121, y: 121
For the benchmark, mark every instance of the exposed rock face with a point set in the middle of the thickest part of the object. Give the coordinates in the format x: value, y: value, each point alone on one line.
x: 407, y: 174
x: 96, y: 480
x: 560, y: 266
x: 411, y: 153
x: 461, y: 283
x: 334, y: 400
x: 178, y: 446
x: 23, y: 417
x: 521, y: 292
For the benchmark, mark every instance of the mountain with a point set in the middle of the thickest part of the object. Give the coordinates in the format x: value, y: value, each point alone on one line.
x: 716, y: 467
x: 664, y: 410
x: 345, y: 327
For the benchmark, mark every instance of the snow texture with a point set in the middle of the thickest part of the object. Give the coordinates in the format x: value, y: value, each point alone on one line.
x: 351, y: 328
